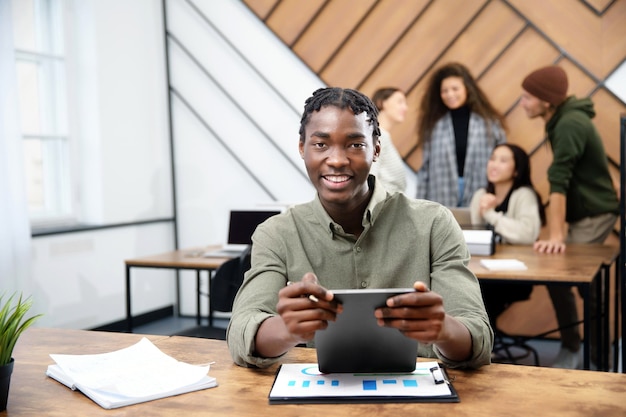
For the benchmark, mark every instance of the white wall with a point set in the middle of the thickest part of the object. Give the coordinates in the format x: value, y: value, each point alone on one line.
x: 235, y: 147
x: 237, y: 97
x: 118, y: 62
x: 119, y: 131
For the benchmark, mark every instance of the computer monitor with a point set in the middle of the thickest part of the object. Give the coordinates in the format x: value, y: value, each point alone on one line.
x: 244, y: 222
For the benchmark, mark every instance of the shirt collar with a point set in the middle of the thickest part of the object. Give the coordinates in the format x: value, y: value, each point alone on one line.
x: 369, y: 216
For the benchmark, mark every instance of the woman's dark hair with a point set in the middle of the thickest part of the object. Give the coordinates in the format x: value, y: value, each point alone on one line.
x: 520, y: 179
x: 383, y: 94
x: 432, y: 107
x: 342, y: 98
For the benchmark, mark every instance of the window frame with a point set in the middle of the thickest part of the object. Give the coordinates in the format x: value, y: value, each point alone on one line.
x: 45, y: 137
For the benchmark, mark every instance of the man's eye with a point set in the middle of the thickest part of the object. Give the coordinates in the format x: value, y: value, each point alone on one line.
x: 358, y: 145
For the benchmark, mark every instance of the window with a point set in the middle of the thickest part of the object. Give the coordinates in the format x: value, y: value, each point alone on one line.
x: 40, y: 63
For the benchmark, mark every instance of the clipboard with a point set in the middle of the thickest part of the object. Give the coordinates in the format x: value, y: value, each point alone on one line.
x: 304, y: 384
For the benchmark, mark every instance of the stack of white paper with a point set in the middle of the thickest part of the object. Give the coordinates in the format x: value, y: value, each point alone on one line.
x: 132, y: 375
x: 503, y: 264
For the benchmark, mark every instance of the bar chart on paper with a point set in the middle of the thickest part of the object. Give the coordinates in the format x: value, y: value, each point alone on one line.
x: 304, y: 381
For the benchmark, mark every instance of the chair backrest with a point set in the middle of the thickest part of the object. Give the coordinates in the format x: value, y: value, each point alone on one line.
x: 226, y: 282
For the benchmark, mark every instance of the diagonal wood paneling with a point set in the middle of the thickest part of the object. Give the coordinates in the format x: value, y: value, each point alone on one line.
x: 333, y: 25
x: 371, y: 41
x: 368, y: 44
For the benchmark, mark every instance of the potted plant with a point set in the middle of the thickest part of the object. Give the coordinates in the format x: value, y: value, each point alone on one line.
x: 12, y: 324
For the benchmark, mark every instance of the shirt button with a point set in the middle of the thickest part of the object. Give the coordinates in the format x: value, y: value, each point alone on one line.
x: 363, y: 284
x: 358, y: 249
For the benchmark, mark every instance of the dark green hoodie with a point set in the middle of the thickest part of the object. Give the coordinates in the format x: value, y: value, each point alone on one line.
x: 580, y: 166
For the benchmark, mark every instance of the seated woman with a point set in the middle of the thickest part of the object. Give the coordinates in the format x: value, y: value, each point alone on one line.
x: 511, y: 205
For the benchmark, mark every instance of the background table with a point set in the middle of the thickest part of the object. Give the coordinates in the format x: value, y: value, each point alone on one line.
x: 493, y: 391
x: 579, y: 265
x: 183, y: 259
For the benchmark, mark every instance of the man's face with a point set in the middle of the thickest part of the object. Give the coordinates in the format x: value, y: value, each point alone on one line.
x: 533, y: 106
x: 338, y: 151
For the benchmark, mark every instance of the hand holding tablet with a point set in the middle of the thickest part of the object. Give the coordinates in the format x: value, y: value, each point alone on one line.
x: 355, y: 342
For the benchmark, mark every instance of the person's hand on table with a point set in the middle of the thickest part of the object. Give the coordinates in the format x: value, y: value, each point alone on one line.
x: 549, y: 246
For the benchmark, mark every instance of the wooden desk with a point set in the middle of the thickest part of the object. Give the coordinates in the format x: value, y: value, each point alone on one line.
x: 493, y: 391
x: 189, y: 259
x: 578, y: 266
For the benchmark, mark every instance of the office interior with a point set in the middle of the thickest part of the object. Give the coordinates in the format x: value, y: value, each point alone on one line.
x: 180, y: 110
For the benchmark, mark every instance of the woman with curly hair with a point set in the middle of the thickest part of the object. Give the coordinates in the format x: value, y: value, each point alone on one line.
x: 457, y: 130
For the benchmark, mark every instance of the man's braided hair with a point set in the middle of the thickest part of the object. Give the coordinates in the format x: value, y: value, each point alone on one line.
x: 342, y: 98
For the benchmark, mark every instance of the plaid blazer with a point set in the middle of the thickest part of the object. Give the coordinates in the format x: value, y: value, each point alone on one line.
x: 437, y: 179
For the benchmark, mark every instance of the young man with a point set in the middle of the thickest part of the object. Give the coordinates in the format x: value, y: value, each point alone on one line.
x: 581, y: 189
x: 356, y: 235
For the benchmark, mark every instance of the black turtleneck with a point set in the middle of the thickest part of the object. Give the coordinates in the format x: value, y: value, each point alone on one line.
x: 460, y: 122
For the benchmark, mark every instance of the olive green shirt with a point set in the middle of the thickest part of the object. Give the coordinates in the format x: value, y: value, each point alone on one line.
x: 404, y: 240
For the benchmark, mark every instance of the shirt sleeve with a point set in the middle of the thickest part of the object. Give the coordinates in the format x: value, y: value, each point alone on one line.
x: 567, y: 147
x: 257, y: 298
x: 457, y: 284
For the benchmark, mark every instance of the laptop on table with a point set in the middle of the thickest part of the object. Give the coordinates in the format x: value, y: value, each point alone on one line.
x: 241, y: 226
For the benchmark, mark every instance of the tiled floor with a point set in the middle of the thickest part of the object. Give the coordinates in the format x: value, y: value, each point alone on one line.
x: 546, y: 348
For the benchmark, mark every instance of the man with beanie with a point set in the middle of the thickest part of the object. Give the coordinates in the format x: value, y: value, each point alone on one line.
x: 581, y: 190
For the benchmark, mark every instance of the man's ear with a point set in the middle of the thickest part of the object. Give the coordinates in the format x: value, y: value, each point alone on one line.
x: 376, y: 149
x: 301, y: 148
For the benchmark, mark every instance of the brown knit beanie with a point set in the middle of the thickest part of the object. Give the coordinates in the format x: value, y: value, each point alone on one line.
x: 547, y: 84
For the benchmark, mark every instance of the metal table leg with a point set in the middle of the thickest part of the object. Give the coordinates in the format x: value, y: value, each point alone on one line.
x: 129, y: 316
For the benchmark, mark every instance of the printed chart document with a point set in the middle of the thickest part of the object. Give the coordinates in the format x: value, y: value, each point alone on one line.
x: 132, y: 375
x: 303, y: 383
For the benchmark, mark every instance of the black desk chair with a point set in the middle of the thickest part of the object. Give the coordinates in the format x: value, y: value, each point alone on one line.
x: 223, y: 289
x: 498, y: 297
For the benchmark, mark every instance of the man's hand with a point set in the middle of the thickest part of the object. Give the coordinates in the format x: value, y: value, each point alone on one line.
x: 420, y: 315
x: 306, y: 307
x: 549, y: 246
x: 303, y: 308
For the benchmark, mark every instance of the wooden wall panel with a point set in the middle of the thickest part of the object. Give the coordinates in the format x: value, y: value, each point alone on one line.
x: 262, y: 8
x: 481, y: 43
x: 607, y: 107
x: 371, y: 41
x: 422, y: 44
x: 331, y: 27
x: 290, y: 18
x: 570, y: 25
x: 599, y: 5
x: 613, y: 38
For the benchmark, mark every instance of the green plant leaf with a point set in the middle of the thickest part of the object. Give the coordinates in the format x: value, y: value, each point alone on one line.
x: 13, y: 324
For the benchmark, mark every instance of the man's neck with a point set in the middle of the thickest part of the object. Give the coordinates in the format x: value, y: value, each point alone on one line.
x: 350, y: 218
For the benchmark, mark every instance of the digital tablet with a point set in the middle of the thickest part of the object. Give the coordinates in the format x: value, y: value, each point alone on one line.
x: 356, y: 343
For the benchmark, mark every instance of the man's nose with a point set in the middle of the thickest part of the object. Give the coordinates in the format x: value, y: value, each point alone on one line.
x: 337, y: 156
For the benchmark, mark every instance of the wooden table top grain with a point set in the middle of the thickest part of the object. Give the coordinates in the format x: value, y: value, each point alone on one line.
x: 494, y: 390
